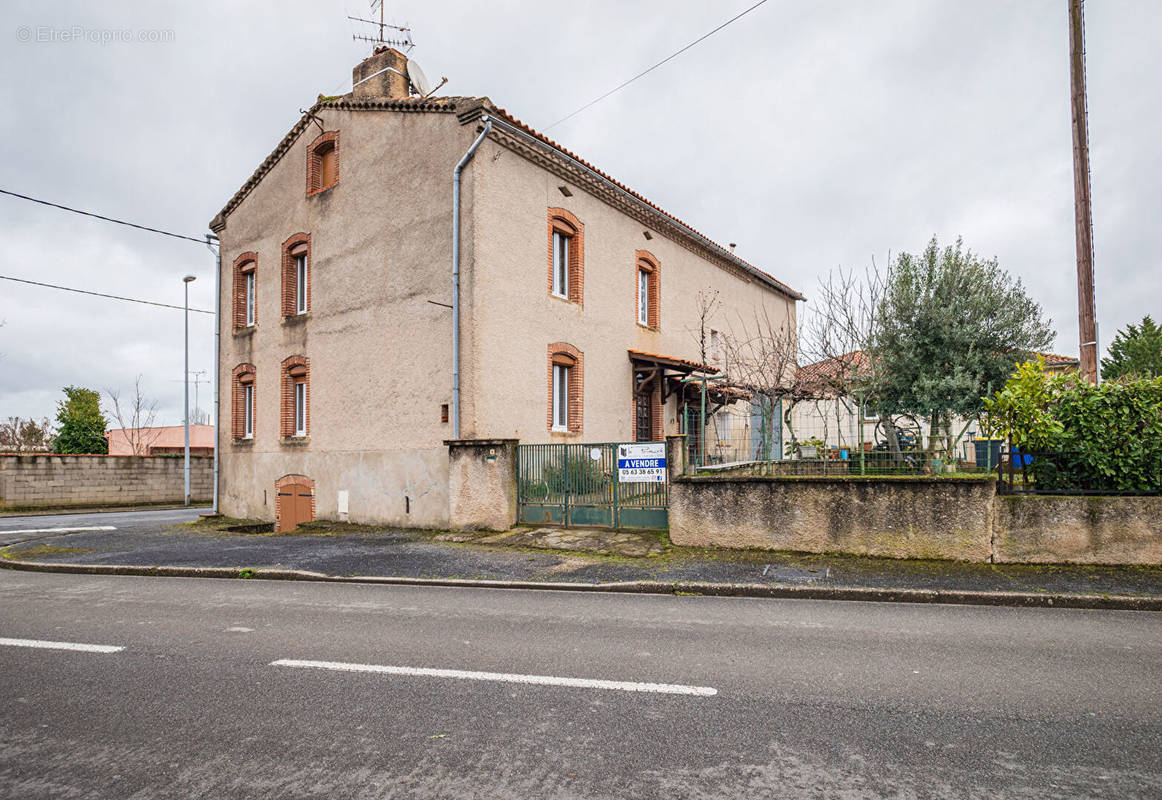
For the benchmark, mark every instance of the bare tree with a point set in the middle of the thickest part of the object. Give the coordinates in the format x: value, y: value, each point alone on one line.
x: 136, y: 418
x: 199, y: 416
x: 708, y: 304
x: 26, y: 435
x: 762, y: 358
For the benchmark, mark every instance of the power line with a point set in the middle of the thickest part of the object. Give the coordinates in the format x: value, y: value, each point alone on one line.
x: 99, y: 294
x: 107, y: 219
x: 655, y: 66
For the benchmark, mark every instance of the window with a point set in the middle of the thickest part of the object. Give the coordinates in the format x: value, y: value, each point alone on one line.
x: 242, y: 422
x: 643, y: 297
x: 566, y: 388
x: 300, y: 407
x: 566, y: 255
x: 245, y: 284
x: 296, y: 397
x: 715, y: 345
x: 560, y: 397
x: 248, y: 411
x: 323, y: 163
x: 296, y: 275
x: 648, y: 290
x: 300, y: 283
x: 561, y: 264
x: 249, y: 298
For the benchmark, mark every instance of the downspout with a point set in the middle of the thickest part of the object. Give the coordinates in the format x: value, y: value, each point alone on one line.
x: 456, y: 275
x: 210, y: 238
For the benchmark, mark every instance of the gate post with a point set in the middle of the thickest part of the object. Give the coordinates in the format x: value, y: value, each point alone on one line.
x: 482, y: 484
x: 675, y: 456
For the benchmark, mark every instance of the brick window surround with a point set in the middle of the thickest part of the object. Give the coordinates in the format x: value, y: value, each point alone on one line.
x: 290, y: 480
x: 647, y: 263
x: 243, y: 376
x: 299, y: 244
x: 296, y: 369
x: 564, y: 222
x: 567, y: 355
x: 244, y: 265
x: 323, y: 163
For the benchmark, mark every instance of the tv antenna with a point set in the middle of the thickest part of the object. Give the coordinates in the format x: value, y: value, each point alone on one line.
x: 401, y: 38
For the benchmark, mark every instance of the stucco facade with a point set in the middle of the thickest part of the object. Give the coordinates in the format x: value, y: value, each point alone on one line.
x: 378, y: 332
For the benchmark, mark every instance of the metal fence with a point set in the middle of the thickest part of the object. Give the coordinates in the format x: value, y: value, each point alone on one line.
x: 1069, y: 472
x: 577, y: 484
x: 822, y: 439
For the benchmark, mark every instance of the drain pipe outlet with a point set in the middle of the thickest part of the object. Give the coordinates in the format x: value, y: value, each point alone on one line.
x: 456, y: 275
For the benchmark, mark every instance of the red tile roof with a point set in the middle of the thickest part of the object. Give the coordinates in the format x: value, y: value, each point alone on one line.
x: 464, y: 106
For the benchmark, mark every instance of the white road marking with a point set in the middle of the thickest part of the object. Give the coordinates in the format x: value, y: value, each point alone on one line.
x: 239, y: 629
x: 84, y: 648
x: 542, y: 680
x: 63, y: 530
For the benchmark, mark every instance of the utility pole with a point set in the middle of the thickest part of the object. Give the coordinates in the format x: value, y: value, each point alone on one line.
x: 1083, y: 210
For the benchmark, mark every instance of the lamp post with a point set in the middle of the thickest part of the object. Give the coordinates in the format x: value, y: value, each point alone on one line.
x: 186, y: 383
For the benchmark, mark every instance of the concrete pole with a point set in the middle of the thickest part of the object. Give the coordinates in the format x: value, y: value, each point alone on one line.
x: 186, y: 385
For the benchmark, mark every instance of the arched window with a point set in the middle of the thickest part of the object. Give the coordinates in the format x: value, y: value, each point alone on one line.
x: 648, y: 275
x: 323, y: 163
x: 242, y: 418
x: 566, y: 389
x: 566, y: 255
x: 245, y: 290
x: 296, y: 275
x: 296, y: 397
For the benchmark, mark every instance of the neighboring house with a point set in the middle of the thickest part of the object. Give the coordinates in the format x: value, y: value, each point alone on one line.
x: 829, y: 414
x: 577, y: 300
x: 160, y: 440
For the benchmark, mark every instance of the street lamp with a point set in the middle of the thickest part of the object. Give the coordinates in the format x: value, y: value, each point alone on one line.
x: 187, y: 280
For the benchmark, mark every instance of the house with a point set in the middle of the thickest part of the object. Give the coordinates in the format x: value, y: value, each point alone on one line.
x: 825, y: 411
x: 400, y: 272
x: 160, y: 440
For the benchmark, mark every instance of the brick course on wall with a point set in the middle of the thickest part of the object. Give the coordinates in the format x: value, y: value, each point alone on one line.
x: 78, y: 481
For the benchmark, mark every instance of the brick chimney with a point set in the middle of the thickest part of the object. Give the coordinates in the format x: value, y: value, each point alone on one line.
x: 390, y: 83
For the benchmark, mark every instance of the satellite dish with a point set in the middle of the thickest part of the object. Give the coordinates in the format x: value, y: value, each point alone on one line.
x: 418, y: 79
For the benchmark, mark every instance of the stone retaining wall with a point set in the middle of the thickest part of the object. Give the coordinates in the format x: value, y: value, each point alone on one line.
x: 898, y: 518
x: 48, y: 481
x: 962, y: 519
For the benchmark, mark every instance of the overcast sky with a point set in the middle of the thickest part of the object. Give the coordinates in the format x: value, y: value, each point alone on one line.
x: 812, y: 134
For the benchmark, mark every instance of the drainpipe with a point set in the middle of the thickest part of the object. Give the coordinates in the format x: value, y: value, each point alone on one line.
x: 456, y: 275
x: 211, y: 239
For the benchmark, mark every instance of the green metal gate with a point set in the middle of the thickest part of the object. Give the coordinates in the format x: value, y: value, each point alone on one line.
x: 576, y: 484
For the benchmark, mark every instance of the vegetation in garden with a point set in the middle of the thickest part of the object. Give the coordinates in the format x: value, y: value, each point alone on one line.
x: 82, y: 425
x: 1081, y: 436
x: 1135, y: 351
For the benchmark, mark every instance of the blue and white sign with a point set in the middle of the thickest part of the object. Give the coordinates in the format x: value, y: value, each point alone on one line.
x: 644, y: 462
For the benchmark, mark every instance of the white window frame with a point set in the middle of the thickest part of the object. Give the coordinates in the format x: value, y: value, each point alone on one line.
x: 643, y: 298
x: 250, y: 298
x: 301, y: 283
x: 300, y: 408
x: 561, y: 264
x: 248, y: 411
x: 561, y: 397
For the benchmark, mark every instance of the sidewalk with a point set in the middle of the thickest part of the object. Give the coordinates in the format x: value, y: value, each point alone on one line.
x: 587, y: 559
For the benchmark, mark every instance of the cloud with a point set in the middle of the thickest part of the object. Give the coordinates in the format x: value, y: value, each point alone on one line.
x: 813, y: 134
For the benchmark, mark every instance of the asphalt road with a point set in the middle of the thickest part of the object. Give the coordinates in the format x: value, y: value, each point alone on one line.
x: 810, y: 699
x: 29, y: 528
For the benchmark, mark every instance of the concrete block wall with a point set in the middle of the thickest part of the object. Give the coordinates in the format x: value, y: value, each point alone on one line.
x: 62, y: 481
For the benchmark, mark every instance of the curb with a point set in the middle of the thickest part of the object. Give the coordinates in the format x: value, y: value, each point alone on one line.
x: 758, y: 590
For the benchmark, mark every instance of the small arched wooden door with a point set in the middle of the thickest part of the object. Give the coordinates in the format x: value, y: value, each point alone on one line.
x: 294, y: 502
